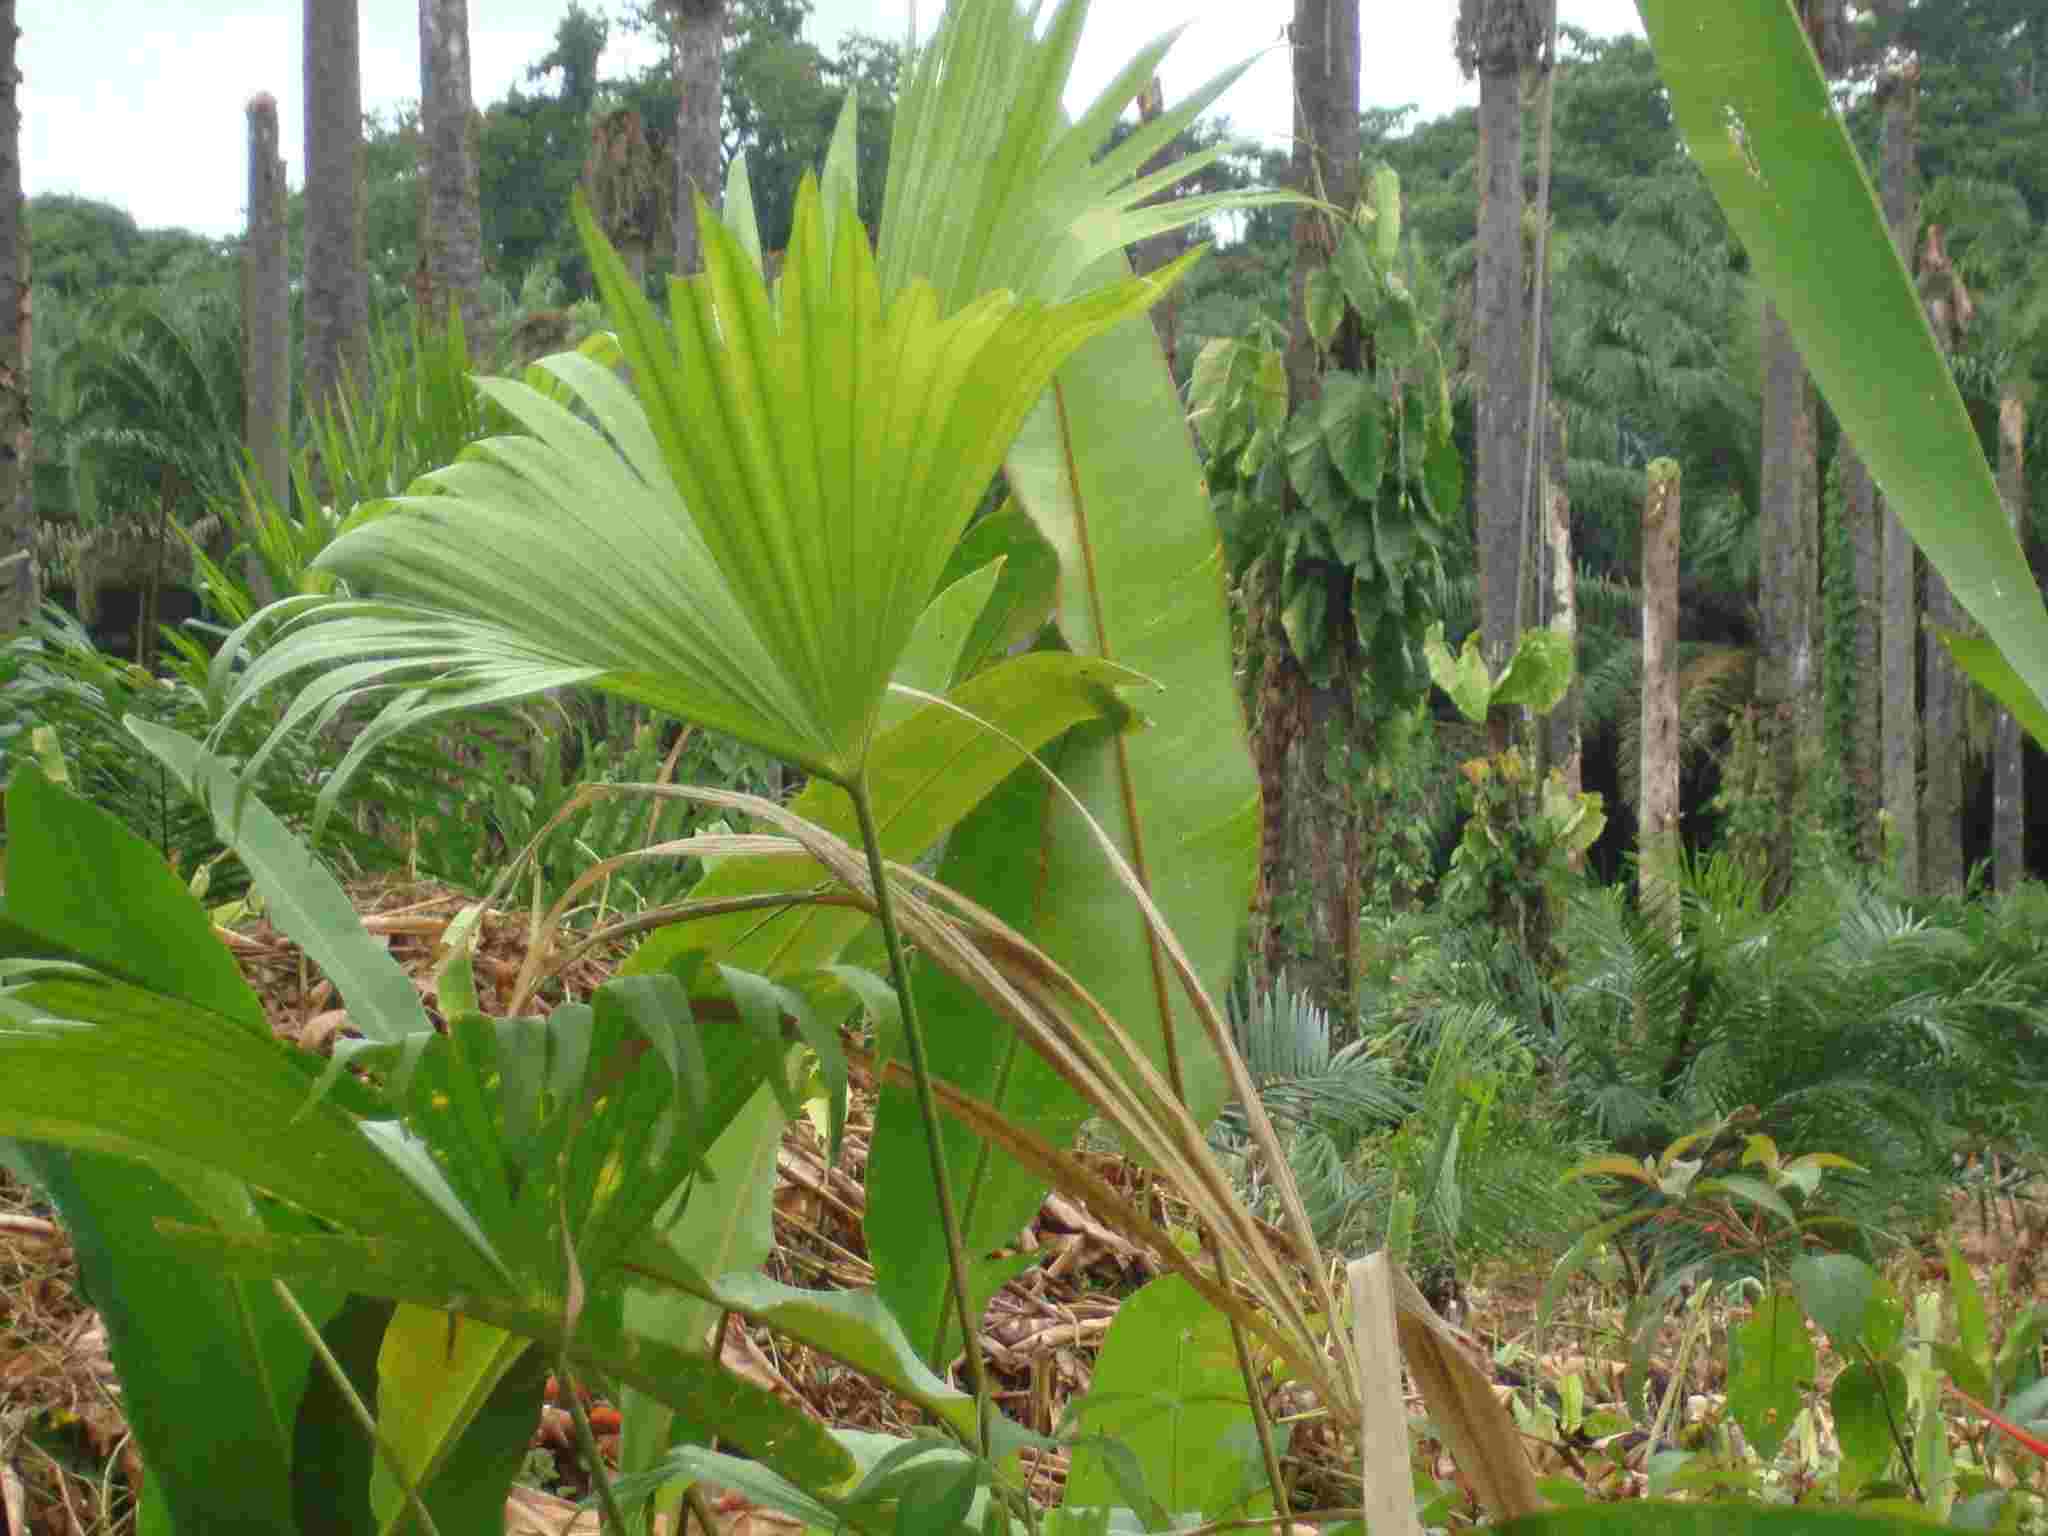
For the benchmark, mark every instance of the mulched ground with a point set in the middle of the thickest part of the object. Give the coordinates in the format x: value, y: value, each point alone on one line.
x: 67, y: 1464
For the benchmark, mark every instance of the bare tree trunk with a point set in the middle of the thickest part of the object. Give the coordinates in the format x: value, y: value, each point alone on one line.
x: 1901, y: 632
x: 1502, y: 340
x: 1312, y: 857
x: 2008, y: 759
x: 1564, y: 737
x: 1789, y: 583
x: 337, y: 292
x: 1866, y: 685
x: 454, y: 245
x: 1944, y: 710
x: 266, y: 322
x: 19, y: 587
x: 1657, y: 833
x: 696, y: 41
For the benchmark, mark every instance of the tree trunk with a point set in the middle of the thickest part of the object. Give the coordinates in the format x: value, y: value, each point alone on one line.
x: 1502, y: 341
x: 1866, y: 684
x: 19, y: 587
x: 1657, y: 827
x: 2008, y: 760
x: 1312, y: 858
x: 696, y: 41
x: 1901, y: 633
x: 266, y: 322
x: 337, y: 291
x: 1788, y: 585
x: 1945, y: 706
x: 454, y: 246
x: 1564, y: 743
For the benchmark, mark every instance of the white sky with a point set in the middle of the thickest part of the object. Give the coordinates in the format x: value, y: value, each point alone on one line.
x: 140, y: 103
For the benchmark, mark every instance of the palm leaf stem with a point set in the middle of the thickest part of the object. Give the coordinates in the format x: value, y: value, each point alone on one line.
x: 927, y: 1105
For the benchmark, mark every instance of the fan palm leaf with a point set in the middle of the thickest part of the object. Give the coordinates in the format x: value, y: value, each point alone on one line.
x: 744, y: 538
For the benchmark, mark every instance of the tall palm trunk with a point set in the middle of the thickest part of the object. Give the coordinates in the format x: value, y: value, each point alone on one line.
x: 1657, y: 838
x: 1788, y: 674
x: 696, y: 43
x: 18, y: 581
x: 2008, y: 760
x: 1500, y: 40
x: 266, y: 320
x: 1313, y: 844
x: 454, y: 235
x: 337, y: 291
x: 1901, y: 634
x: 1944, y: 713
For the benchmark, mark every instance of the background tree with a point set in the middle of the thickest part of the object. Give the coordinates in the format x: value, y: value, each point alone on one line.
x: 18, y: 589
x: 1312, y: 851
x: 453, y: 260
x: 1899, y: 89
x: 1503, y: 42
x: 2008, y: 758
x: 266, y: 319
x: 1944, y: 708
x: 623, y: 178
x: 697, y: 48
x: 337, y: 298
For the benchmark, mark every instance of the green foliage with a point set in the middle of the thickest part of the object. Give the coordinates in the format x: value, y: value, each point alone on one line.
x: 1842, y: 1020
x: 1342, y: 504
x: 52, y: 678
x: 1164, y: 1427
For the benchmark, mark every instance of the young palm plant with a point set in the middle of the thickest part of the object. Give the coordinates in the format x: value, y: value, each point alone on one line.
x: 751, y: 536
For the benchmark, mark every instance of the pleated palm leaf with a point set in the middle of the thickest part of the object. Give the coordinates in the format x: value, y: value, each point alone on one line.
x: 745, y: 537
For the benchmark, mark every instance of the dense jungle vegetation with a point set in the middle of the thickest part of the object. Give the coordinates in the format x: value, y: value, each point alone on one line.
x: 1316, y: 716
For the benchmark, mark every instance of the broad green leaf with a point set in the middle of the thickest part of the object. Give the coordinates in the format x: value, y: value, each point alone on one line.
x: 1356, y: 263
x: 211, y: 1366
x: 332, y: 1461
x: 1386, y: 208
x: 1750, y: 98
x: 931, y: 657
x: 722, y: 1224
x: 1771, y: 1366
x: 1107, y: 470
x: 923, y: 776
x: 79, y: 879
x: 1837, y: 1290
x: 749, y: 1417
x: 1868, y: 1400
x: 1539, y: 673
x: 1324, y: 302
x: 106, y: 1067
x: 1973, y: 1334
x: 1463, y: 677
x: 1167, y: 1385
x: 457, y: 1402
x: 300, y: 896
x: 1355, y: 431
x: 996, y: 1196
x: 1023, y: 598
